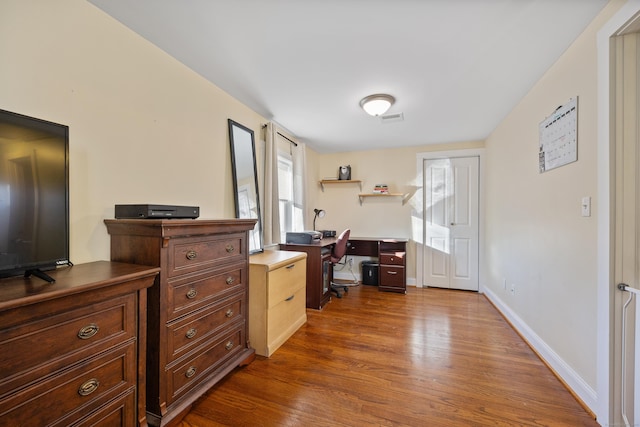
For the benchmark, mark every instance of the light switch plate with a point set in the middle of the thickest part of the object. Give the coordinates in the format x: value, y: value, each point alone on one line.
x: 586, y: 206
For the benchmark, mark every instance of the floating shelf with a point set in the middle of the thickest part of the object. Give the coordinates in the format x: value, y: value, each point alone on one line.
x: 340, y: 181
x: 365, y: 195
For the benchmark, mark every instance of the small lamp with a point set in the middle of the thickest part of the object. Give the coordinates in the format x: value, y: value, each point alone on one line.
x: 378, y: 104
x: 319, y: 213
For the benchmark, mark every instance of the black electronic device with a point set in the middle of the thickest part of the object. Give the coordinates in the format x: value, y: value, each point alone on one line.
x: 146, y: 211
x: 328, y: 233
x: 34, y: 195
x: 303, y: 237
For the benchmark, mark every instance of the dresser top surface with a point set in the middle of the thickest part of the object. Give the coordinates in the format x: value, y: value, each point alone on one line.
x: 19, y: 291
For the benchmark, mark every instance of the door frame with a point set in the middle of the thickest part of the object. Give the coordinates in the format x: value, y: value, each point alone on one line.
x: 628, y: 14
x: 418, y: 214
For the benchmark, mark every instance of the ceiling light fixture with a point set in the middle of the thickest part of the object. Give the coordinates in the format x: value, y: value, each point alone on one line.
x: 378, y: 104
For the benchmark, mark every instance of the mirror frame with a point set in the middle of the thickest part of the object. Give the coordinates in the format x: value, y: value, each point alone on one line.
x: 242, y: 143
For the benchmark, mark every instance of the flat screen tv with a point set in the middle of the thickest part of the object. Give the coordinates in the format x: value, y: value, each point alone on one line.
x: 34, y: 195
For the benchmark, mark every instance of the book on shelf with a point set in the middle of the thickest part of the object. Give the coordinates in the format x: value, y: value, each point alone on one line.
x: 381, y: 189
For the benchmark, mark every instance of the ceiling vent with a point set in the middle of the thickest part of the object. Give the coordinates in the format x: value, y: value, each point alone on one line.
x: 392, y: 118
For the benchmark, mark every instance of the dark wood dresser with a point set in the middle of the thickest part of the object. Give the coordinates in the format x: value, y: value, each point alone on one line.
x: 197, y: 316
x: 73, y: 352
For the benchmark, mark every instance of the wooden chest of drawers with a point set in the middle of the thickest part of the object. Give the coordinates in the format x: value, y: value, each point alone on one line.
x: 276, y: 298
x: 197, y: 316
x: 72, y: 352
x: 392, y: 277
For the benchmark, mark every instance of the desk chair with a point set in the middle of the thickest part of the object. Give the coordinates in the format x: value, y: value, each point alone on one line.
x: 337, y: 253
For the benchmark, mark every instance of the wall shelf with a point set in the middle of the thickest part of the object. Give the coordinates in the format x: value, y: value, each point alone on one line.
x: 365, y: 195
x: 340, y: 181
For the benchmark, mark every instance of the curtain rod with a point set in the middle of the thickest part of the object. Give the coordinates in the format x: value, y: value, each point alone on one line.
x: 291, y: 141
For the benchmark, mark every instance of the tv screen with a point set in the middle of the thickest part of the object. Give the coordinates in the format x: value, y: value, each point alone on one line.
x: 34, y: 195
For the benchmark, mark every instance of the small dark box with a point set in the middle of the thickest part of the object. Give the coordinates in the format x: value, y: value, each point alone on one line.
x: 370, y: 273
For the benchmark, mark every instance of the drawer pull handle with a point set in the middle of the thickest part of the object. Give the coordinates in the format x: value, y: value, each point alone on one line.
x: 290, y: 298
x: 229, y: 313
x: 230, y: 280
x: 192, y: 293
x: 88, y: 331
x: 190, y: 372
x: 229, y: 248
x: 392, y: 272
x: 191, y: 255
x: 88, y: 387
x: 191, y: 333
x: 289, y: 267
x: 229, y: 345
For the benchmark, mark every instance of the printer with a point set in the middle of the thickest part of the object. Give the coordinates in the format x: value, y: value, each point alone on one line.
x: 303, y: 237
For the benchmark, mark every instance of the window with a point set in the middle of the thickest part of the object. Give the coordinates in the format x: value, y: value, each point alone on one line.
x: 290, y: 213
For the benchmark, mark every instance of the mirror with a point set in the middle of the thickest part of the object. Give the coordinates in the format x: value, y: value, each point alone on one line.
x: 245, y: 180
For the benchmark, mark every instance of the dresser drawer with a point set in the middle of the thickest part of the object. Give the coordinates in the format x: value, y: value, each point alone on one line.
x: 183, y: 376
x: 119, y: 412
x: 392, y: 276
x: 188, y: 294
x: 194, y: 254
x: 35, y: 349
x: 285, y: 281
x: 190, y: 331
x: 394, y: 258
x: 65, y: 396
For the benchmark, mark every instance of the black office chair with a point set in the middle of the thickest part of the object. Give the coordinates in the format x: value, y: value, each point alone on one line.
x: 337, y: 253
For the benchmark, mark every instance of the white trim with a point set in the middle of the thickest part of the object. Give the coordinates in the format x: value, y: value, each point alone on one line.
x: 577, y: 384
x: 604, y: 363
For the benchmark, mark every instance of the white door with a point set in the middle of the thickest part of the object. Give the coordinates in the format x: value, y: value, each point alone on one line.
x: 450, y: 253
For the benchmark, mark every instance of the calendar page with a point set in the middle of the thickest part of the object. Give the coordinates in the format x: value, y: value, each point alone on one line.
x: 559, y: 137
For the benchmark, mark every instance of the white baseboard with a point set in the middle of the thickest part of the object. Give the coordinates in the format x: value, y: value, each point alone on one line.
x: 570, y: 377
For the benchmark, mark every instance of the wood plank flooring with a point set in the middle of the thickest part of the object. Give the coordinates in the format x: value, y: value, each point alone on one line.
x: 432, y: 357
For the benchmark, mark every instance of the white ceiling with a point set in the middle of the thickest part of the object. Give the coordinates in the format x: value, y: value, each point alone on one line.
x: 455, y: 67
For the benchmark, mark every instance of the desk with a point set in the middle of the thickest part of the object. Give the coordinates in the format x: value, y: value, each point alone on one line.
x: 391, y: 254
x: 319, y: 270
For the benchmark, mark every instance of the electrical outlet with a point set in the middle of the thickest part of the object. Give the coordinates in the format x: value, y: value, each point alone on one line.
x: 350, y: 262
x: 513, y: 289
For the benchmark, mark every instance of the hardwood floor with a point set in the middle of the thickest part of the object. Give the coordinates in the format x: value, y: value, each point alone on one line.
x: 432, y: 357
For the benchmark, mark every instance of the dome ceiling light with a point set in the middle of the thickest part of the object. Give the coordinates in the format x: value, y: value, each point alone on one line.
x: 378, y: 104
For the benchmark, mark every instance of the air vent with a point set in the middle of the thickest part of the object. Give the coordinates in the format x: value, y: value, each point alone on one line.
x: 392, y: 118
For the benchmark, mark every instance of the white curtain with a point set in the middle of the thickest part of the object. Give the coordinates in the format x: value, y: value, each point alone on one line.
x: 271, y: 204
x: 275, y: 140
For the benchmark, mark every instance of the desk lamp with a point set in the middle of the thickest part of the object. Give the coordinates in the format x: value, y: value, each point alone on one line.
x: 319, y: 213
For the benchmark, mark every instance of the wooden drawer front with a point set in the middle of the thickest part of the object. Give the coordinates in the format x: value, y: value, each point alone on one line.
x: 194, y: 254
x: 35, y: 349
x: 391, y: 246
x: 285, y: 281
x: 65, y: 397
x: 392, y: 276
x: 283, y: 315
x: 392, y: 258
x: 119, y: 412
x: 194, y: 329
x: 362, y: 247
x: 184, y: 376
x: 195, y: 292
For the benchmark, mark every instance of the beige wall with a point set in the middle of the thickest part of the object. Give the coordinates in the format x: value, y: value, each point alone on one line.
x: 143, y: 127
x: 376, y: 217
x: 535, y: 235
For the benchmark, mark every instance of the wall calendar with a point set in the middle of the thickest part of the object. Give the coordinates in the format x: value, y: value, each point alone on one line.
x: 559, y: 137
